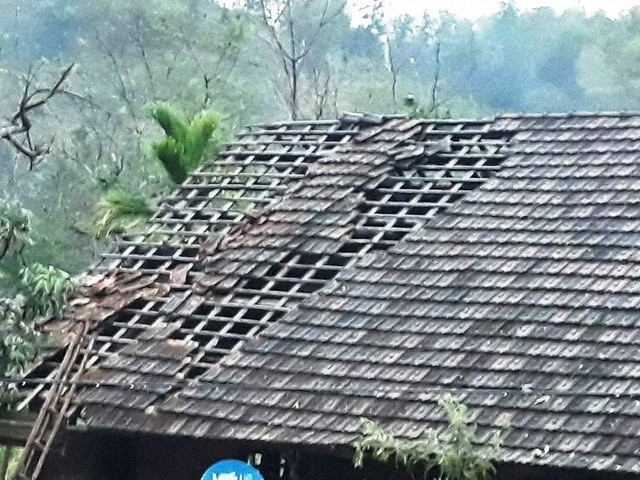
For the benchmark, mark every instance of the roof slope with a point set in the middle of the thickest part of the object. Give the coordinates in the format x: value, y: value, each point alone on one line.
x: 522, y: 299
x: 249, y: 174
x: 366, y: 195
x: 249, y: 236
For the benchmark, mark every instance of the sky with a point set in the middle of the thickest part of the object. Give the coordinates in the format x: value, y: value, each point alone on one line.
x: 474, y: 9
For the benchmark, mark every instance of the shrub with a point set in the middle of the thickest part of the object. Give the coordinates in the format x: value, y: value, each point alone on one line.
x: 118, y: 212
x: 15, y: 227
x: 457, y: 452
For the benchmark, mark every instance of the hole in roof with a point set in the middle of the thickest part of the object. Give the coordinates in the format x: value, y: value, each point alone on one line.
x: 364, y: 234
x: 337, y: 260
x: 227, y: 343
x: 130, y: 332
x: 324, y: 274
x: 255, y: 284
x: 203, y: 310
x: 394, y: 236
x: 308, y: 259
x: 228, y: 312
x: 255, y: 314
x: 350, y: 248
x: 195, y: 372
x: 138, y: 304
x: 214, y: 326
x: 282, y: 286
x: 152, y: 264
x: 296, y: 272
x: 390, y: 209
x: 241, y: 328
x: 189, y: 252
x: 421, y: 211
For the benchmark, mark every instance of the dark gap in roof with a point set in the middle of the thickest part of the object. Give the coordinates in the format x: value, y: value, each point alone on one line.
x: 130, y: 332
x: 256, y: 283
x: 190, y: 252
x: 203, y: 310
x: 109, y: 330
x: 350, y: 247
x: 150, y: 264
x: 324, y: 274
x: 146, y: 319
x: 226, y: 343
x: 201, y: 338
x: 190, y: 322
x: 283, y: 286
x: 338, y: 260
x: 241, y: 328
x: 227, y: 311
x: 195, y: 371
x: 201, y: 215
x: 390, y: 209
x: 363, y: 234
x: 255, y: 314
x: 310, y: 287
x: 214, y: 325
x: 297, y: 272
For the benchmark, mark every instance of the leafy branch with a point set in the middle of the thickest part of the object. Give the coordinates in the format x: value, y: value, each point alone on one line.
x: 45, y: 288
x: 182, y: 151
x: 457, y: 452
x: 119, y: 211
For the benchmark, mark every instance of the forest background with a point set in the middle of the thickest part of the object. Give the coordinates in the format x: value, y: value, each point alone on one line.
x: 261, y: 61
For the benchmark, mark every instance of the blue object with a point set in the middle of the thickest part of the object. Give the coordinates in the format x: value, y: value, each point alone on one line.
x: 231, y: 470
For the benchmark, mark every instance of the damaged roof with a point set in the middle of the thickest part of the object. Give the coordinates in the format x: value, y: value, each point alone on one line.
x: 272, y: 220
x: 395, y: 269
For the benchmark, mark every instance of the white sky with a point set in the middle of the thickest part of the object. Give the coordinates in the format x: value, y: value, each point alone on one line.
x: 474, y: 9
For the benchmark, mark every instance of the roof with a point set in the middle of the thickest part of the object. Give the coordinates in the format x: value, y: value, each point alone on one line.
x: 382, y: 270
x: 522, y: 299
x: 272, y: 220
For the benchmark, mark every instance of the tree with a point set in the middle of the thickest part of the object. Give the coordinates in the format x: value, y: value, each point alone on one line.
x: 42, y: 290
x: 293, y: 38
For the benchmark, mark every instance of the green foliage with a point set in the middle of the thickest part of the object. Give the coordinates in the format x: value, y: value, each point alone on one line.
x: 43, y: 291
x: 457, y: 452
x: 120, y: 211
x: 10, y: 458
x: 183, y: 149
x: 19, y: 342
x: 45, y: 288
x: 15, y: 228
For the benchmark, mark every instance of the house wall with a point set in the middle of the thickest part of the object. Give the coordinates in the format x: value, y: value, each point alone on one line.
x: 108, y: 457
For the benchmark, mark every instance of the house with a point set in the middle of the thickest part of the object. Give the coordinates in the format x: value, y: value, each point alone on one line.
x: 320, y: 272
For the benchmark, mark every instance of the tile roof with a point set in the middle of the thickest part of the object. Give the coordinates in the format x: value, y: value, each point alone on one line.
x: 248, y: 237
x: 522, y: 299
x: 250, y: 173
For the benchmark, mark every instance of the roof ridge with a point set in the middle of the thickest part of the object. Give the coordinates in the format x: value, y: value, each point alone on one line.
x: 566, y: 115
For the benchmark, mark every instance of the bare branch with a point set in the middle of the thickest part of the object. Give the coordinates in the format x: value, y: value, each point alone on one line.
x: 17, y: 132
x: 436, y: 78
x: 290, y: 47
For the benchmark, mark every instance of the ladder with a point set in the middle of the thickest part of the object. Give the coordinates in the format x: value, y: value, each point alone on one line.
x: 56, y: 405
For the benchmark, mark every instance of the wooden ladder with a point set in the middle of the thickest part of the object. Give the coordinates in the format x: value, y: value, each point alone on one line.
x: 56, y: 405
